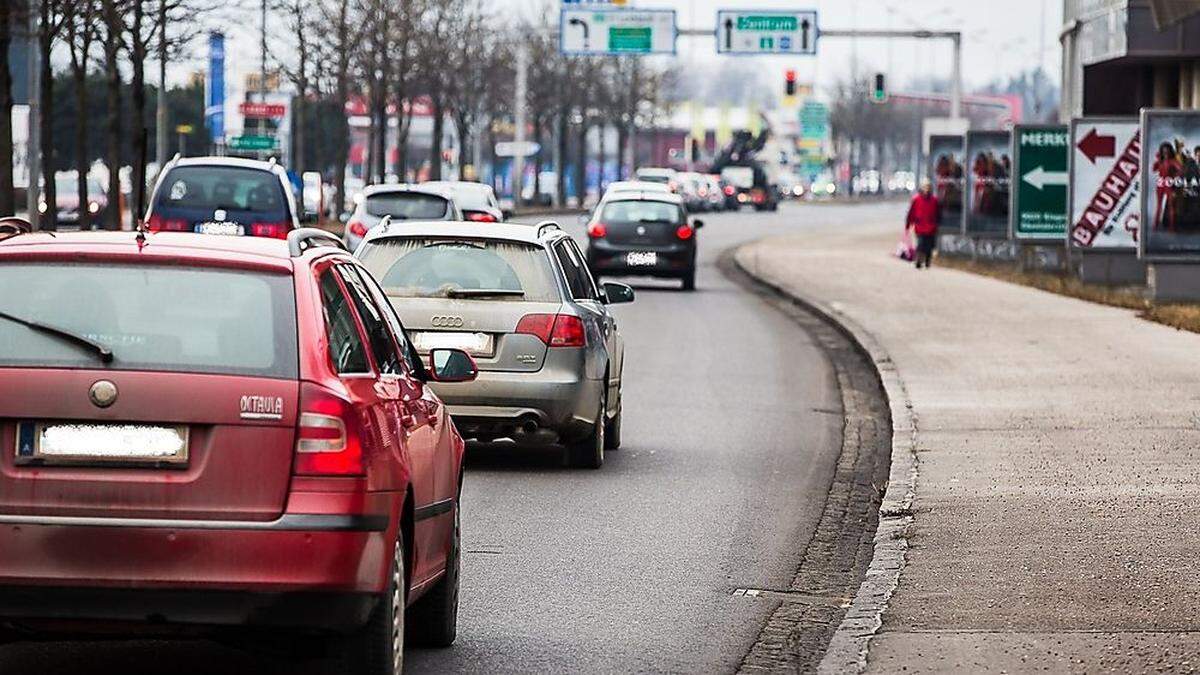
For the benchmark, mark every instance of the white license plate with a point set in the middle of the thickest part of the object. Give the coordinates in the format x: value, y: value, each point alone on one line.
x: 475, y: 344
x: 641, y: 258
x: 86, y: 443
x: 228, y: 229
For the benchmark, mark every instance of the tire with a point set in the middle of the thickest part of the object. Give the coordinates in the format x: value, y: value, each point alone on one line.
x: 612, y: 428
x: 689, y: 280
x: 378, y: 647
x: 433, y: 620
x: 588, y: 452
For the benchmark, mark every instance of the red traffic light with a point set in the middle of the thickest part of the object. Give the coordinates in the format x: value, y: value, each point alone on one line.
x: 789, y: 82
x: 790, y: 75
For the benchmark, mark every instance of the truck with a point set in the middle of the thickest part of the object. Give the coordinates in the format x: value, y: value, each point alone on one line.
x: 743, y: 165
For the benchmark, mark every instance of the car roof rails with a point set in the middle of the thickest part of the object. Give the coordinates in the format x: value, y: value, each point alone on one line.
x: 547, y: 225
x: 11, y: 226
x: 304, y: 238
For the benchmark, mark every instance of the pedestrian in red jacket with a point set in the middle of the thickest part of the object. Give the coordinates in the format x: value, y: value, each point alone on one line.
x: 924, y: 216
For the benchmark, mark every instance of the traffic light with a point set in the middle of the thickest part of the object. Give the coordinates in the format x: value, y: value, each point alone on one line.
x: 879, y: 93
x: 789, y: 83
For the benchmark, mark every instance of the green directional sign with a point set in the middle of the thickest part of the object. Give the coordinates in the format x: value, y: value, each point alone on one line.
x: 771, y: 23
x: 1039, y: 177
x: 252, y: 143
x: 630, y: 39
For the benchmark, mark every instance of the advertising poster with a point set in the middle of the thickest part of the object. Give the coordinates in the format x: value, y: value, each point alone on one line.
x: 989, y: 171
x: 1106, y: 158
x: 214, y: 89
x: 945, y: 171
x: 1040, y: 155
x: 1170, y: 184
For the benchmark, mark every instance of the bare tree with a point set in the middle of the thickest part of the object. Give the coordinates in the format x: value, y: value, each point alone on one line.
x: 113, y: 34
x: 301, y: 21
x: 51, y: 18
x: 338, y: 16
x: 11, y: 14
x: 80, y: 33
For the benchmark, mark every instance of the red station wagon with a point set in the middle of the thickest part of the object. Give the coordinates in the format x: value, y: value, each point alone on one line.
x: 204, y: 432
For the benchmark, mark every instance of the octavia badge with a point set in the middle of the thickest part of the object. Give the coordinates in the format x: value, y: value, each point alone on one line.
x: 103, y: 393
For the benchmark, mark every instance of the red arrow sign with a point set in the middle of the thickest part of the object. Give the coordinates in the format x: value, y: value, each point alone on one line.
x: 1094, y: 145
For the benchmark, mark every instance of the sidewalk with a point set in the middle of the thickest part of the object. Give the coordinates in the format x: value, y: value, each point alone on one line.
x: 1058, y: 448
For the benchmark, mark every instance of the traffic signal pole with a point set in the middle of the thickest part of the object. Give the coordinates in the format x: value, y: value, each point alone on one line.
x: 954, y: 36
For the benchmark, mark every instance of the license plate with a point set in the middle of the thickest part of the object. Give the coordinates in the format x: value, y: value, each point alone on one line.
x: 227, y: 229
x: 90, y: 443
x: 475, y: 344
x: 641, y: 258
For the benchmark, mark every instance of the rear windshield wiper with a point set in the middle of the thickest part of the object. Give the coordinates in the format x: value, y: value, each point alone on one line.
x: 104, y: 353
x: 483, y: 292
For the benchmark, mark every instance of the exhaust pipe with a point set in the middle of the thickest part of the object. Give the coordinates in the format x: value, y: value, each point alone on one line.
x: 528, y: 424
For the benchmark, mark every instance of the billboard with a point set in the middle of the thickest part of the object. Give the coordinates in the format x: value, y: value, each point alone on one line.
x: 1170, y: 221
x: 988, y: 183
x: 945, y: 171
x: 1104, y: 189
x: 214, y: 89
x: 1039, y: 191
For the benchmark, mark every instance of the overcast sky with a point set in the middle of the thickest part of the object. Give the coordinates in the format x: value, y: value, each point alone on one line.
x: 1001, y: 38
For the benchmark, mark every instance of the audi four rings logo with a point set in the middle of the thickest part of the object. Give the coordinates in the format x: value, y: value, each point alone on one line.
x: 447, y: 322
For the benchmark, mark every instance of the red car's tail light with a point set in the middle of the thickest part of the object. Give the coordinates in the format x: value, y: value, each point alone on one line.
x: 729, y: 190
x: 357, y: 228
x: 480, y: 217
x: 275, y: 230
x: 556, y: 330
x: 684, y: 232
x: 597, y: 230
x: 327, y: 435
x: 157, y: 223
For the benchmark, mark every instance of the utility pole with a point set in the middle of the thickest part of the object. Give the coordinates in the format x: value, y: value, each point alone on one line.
x: 262, y: 84
x: 519, y: 120
x: 34, y: 147
x: 160, y: 117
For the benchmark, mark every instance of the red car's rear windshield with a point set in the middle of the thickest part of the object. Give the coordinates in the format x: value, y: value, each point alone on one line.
x: 157, y: 318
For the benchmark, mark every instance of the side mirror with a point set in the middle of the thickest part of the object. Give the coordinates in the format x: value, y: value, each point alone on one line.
x: 697, y: 224
x: 616, y: 293
x: 506, y: 214
x: 452, y: 365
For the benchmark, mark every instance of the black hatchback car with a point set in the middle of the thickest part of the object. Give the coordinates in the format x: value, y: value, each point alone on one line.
x: 223, y: 195
x: 643, y: 234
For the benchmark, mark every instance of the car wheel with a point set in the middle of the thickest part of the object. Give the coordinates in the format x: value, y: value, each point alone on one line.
x: 433, y: 620
x: 689, y: 280
x: 588, y: 452
x: 378, y: 648
x: 612, y: 428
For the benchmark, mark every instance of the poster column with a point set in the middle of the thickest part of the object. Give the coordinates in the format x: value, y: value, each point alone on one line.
x: 1170, y: 203
x: 1104, y: 200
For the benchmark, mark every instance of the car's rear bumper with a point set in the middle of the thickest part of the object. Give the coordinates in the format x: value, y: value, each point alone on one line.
x: 103, y: 610
x: 209, y: 573
x: 500, y: 404
x: 672, y: 261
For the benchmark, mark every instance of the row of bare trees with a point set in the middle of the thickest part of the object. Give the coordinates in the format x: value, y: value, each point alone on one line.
x: 114, y: 37
x: 454, y: 56
x: 458, y: 58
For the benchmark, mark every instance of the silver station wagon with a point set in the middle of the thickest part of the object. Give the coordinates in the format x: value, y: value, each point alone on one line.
x: 520, y: 300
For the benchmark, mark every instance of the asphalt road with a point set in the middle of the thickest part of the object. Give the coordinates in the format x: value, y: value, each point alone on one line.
x: 729, y: 446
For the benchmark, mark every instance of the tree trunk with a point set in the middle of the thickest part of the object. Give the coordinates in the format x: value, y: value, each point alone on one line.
x: 602, y: 158
x: 112, y: 214
x: 8, y: 200
x: 49, y: 219
x: 81, y: 159
x: 138, y: 123
x: 537, y: 160
x: 561, y: 169
x: 581, y: 167
x: 435, y: 146
x: 622, y: 145
x: 462, y: 125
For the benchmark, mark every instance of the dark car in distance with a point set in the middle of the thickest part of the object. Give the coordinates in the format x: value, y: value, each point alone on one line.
x: 643, y: 234
x: 223, y: 195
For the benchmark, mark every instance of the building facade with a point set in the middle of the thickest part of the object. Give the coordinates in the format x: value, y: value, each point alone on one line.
x: 1120, y: 56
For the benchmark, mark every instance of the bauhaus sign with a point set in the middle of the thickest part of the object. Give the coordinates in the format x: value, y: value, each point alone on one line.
x: 1105, y: 183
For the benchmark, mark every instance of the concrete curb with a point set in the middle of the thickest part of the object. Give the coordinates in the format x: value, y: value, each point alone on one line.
x: 847, y: 650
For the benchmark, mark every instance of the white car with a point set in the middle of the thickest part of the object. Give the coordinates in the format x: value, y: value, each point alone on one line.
x: 401, y: 201
x: 477, y: 201
x: 653, y: 174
